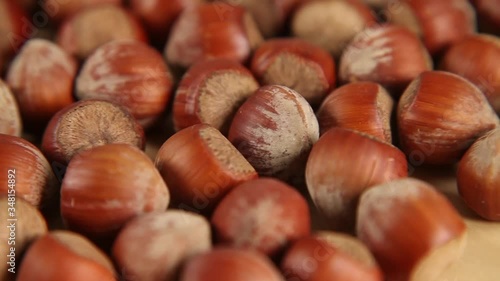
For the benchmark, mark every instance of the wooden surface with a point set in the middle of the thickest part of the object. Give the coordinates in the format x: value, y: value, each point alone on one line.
x: 481, y: 259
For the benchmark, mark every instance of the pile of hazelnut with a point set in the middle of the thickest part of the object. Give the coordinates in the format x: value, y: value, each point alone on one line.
x: 269, y: 113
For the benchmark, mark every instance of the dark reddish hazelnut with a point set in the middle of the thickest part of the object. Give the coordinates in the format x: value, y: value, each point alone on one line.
x: 380, y: 54
x: 211, y: 92
x: 263, y: 214
x: 129, y: 73
x: 200, y: 166
x: 212, y: 30
x: 81, y: 34
x: 63, y: 255
x: 41, y: 78
x: 413, y: 231
x: 28, y: 5
x: 13, y: 33
x: 107, y: 186
x: 438, y: 23
x: 477, y: 59
x: 440, y: 115
x: 362, y: 106
x: 488, y: 15
x: 87, y: 124
x: 478, y: 176
x: 313, y: 259
x: 31, y: 175
x: 275, y: 129
x: 158, y: 16
x: 331, y: 24
x: 297, y: 64
x: 230, y: 265
x: 342, y: 165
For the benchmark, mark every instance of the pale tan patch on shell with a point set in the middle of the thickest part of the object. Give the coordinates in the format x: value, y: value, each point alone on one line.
x: 95, y: 124
x: 298, y: 74
x: 108, y: 23
x: 329, y: 24
x: 221, y: 95
x: 225, y: 152
x: 10, y: 119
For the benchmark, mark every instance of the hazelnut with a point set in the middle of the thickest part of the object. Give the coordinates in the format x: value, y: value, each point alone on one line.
x: 230, y: 265
x: 212, y: 30
x: 61, y: 10
x: 81, y: 34
x: 380, y: 54
x: 211, y: 92
x: 106, y: 186
x: 488, y: 15
x: 440, y: 115
x: 24, y: 224
x: 62, y: 255
x: 158, y: 16
x: 412, y: 229
x: 262, y: 214
x: 12, y: 34
x: 270, y: 16
x: 33, y: 179
x: 362, y: 106
x: 342, y: 165
x: 297, y: 64
x: 275, y: 129
x: 129, y: 73
x: 87, y: 124
x: 438, y: 23
x: 200, y: 166
x: 351, y: 246
x: 313, y: 259
x: 477, y: 59
x: 10, y: 120
x: 478, y: 176
x: 331, y: 24
x: 152, y: 247
x: 41, y: 78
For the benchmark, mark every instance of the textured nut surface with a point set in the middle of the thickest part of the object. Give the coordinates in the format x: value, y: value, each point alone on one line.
x: 87, y: 124
x: 34, y: 181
